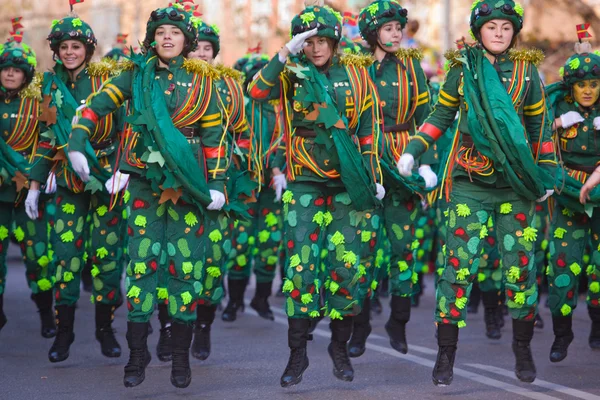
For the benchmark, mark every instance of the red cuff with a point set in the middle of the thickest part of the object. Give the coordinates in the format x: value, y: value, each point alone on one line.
x: 45, y: 145
x: 366, y: 140
x: 214, y: 152
x: 90, y: 114
x: 244, y: 143
x: 432, y: 131
x: 258, y: 93
x: 547, y: 148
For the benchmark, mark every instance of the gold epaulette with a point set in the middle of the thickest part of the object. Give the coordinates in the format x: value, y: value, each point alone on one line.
x: 452, y: 57
x: 417, y: 54
x: 199, y: 67
x: 357, y: 60
x: 126, y: 65
x: 104, y: 67
x: 227, y: 72
x: 533, y: 56
x: 34, y: 89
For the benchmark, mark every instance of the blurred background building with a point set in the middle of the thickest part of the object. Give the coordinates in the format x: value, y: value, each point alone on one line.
x: 549, y: 24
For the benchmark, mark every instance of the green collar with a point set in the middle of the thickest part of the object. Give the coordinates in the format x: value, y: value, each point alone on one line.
x: 62, y: 73
x: 174, y: 64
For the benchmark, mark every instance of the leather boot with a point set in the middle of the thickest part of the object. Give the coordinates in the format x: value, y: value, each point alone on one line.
x: 260, y: 301
x: 361, y: 331
x: 181, y: 374
x: 491, y: 303
x: 139, y: 356
x: 563, y: 336
x: 522, y: 335
x: 396, y: 325
x: 205, y: 315
x: 447, y: 336
x: 65, y: 318
x: 165, y: 346
x: 338, y: 351
x: 86, y: 276
x: 43, y: 301
x: 105, y: 334
x: 594, y: 339
x: 236, y: 299
x: 2, y: 315
x: 474, y: 299
x: 298, y: 361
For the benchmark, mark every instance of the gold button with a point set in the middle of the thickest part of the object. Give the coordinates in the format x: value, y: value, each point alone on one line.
x: 585, y: 128
x: 583, y: 147
x: 167, y: 92
x: 6, y: 133
x: 4, y: 116
x: 72, y: 86
x: 170, y: 76
x: 383, y: 83
x: 586, y: 115
x: 348, y: 92
x: 383, y: 103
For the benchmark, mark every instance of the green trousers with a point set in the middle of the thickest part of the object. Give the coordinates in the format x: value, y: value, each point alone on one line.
x: 258, y: 241
x: 68, y: 239
x: 216, y: 240
x: 320, y: 218
x: 32, y: 237
x: 469, y: 210
x: 570, y: 233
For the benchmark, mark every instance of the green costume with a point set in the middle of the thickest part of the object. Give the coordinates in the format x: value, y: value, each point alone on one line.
x: 573, y: 225
x: 502, y: 160
x: 19, y: 138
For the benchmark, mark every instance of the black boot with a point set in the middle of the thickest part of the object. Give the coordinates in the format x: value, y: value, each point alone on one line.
x: 105, y: 334
x: 43, y: 301
x: 236, y: 299
x: 65, y: 318
x: 298, y: 361
x: 418, y: 292
x: 396, y: 325
x: 260, y: 301
x: 139, y: 356
x: 2, y: 315
x: 491, y: 304
x: 86, y: 276
x: 563, y: 336
x: 376, y: 307
x: 385, y: 287
x: 474, y: 299
x: 282, y: 275
x: 338, y: 351
x: 164, y: 347
x: 522, y: 335
x: 539, y: 322
x: 205, y: 315
x: 181, y: 374
x: 447, y: 336
x: 594, y: 339
x: 361, y: 331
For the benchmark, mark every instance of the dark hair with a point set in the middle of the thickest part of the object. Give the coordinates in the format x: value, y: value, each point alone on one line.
x: 89, y: 51
x: 187, y: 46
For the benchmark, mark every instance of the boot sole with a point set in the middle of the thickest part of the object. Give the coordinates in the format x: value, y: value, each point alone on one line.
x: 397, y: 347
x: 134, y: 384
x: 341, y: 377
x: 164, y: 358
x: 184, y: 385
x: 526, y: 380
x: 357, y: 354
x: 58, y: 359
x: 297, y: 381
x: 559, y: 359
x: 49, y: 335
x: 440, y: 383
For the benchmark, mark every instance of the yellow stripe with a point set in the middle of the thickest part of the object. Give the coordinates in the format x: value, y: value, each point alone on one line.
x: 417, y: 137
x: 270, y: 84
x: 536, y: 105
x: 424, y: 101
x: 548, y: 162
x: 423, y: 95
x: 446, y: 95
x: 112, y: 97
x: 534, y: 113
x: 85, y: 128
x: 447, y: 103
x: 116, y: 91
x: 210, y: 124
x: 367, y: 105
x: 211, y: 117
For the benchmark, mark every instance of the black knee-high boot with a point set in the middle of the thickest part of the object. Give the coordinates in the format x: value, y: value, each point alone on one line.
x: 298, y: 361
x: 205, y: 315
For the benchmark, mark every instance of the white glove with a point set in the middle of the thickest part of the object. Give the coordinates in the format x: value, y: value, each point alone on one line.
x: 545, y: 197
x: 430, y: 177
x: 80, y: 165
x: 117, y: 182
x: 406, y: 164
x: 597, y: 123
x: 380, y: 191
x: 31, y: 204
x: 571, y: 118
x: 279, y: 183
x: 297, y: 44
x: 218, y: 200
x: 50, y: 183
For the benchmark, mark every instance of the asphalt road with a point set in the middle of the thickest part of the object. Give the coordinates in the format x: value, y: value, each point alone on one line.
x: 249, y: 355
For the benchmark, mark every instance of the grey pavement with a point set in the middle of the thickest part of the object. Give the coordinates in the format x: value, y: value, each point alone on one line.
x: 249, y: 355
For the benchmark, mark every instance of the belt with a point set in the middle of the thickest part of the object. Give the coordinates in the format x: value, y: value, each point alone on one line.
x: 588, y: 170
x: 188, y: 132
x: 102, y: 145
x: 398, y: 128
x: 467, y: 140
x: 307, y: 133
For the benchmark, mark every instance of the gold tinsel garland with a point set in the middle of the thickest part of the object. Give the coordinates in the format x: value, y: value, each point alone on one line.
x: 104, y: 67
x: 417, y: 54
x: 227, y: 72
x: 452, y: 57
x: 199, y: 67
x: 534, y: 56
x: 34, y: 89
x: 357, y: 60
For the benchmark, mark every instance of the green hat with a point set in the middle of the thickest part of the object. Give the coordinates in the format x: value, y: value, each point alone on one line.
x: 379, y: 13
x: 175, y: 14
x: 210, y: 33
x: 71, y: 28
x: 327, y: 20
x: 250, y: 64
x: 581, y: 67
x: 18, y: 55
x: 483, y: 11
x: 347, y: 46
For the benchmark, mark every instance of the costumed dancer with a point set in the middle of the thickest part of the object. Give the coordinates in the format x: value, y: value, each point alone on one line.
x: 404, y: 99
x: 79, y: 192
x: 330, y: 135
x: 20, y: 95
x: 577, y: 110
x: 175, y: 159
x: 502, y: 162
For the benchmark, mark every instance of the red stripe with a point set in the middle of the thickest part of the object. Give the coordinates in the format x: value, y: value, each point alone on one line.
x: 430, y: 130
x: 258, y: 93
x: 547, y: 148
x: 214, y: 152
x: 45, y: 145
x: 365, y: 140
x: 243, y: 143
x: 88, y: 113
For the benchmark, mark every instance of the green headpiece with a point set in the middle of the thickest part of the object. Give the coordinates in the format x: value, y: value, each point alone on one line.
x: 581, y: 67
x: 327, y: 20
x: 347, y: 46
x: 175, y: 14
x: 18, y: 55
x: 250, y: 64
x: 72, y: 28
x: 379, y: 13
x: 210, y: 33
x: 483, y: 11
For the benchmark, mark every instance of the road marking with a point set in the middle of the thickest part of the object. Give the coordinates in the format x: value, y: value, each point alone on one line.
x: 429, y: 363
x: 538, y: 382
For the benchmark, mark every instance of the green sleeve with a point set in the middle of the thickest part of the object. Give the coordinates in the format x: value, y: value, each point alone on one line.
x: 214, y: 140
x: 365, y: 133
x: 266, y: 84
x: 45, y: 152
x: 423, y: 95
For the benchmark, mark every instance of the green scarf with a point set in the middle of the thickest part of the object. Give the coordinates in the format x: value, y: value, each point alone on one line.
x: 11, y: 161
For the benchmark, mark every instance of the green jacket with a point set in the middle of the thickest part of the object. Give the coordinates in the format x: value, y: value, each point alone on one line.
x: 579, y: 144
x: 519, y: 75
